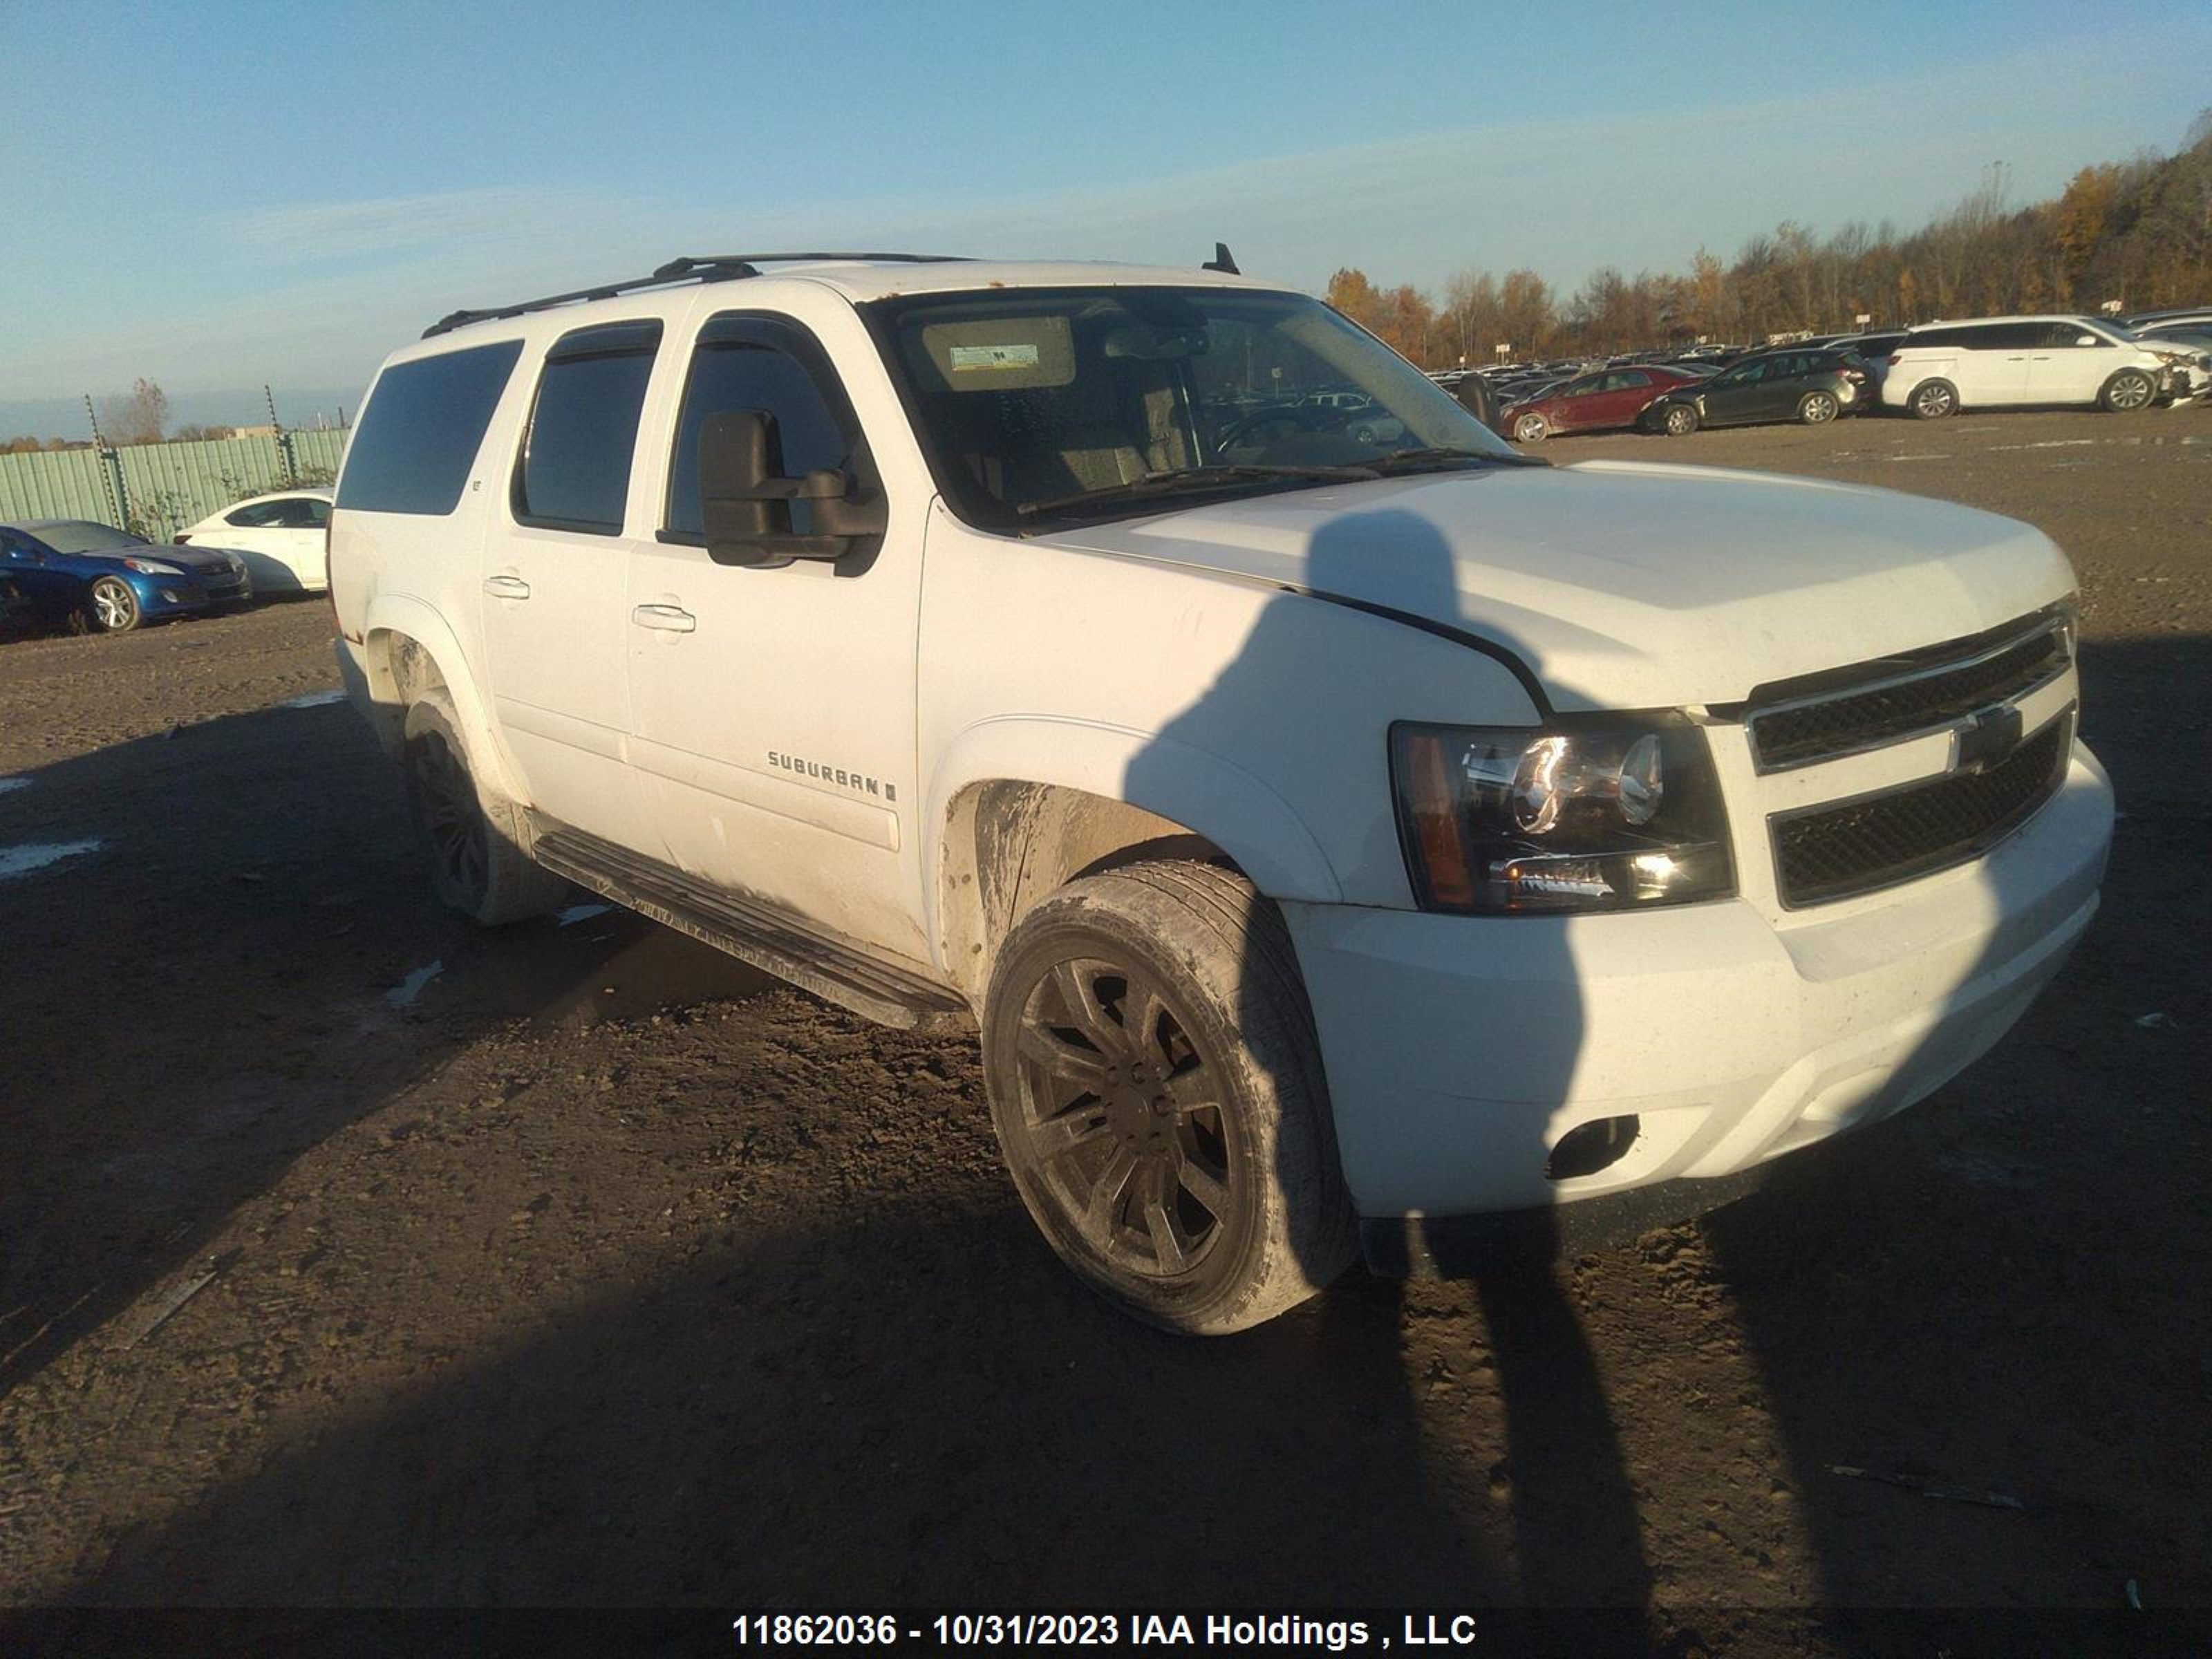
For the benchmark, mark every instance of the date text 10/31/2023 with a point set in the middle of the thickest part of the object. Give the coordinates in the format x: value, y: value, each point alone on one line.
x: 1019, y: 1631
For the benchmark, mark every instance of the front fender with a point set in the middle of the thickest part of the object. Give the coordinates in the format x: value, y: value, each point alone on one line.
x: 1203, y: 792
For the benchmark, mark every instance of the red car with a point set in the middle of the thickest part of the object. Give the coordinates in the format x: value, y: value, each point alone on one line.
x: 1602, y: 398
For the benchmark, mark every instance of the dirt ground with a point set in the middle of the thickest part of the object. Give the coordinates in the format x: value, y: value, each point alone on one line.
x: 591, y: 1267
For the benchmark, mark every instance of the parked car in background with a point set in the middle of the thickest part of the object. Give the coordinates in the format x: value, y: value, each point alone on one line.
x: 2009, y: 361
x: 1873, y: 352
x: 1607, y: 399
x: 1789, y: 385
x: 283, y: 538
x: 2197, y: 316
x: 108, y: 581
x: 2193, y: 338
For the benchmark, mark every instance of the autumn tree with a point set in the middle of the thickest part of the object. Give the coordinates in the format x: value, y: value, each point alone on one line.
x: 139, y: 416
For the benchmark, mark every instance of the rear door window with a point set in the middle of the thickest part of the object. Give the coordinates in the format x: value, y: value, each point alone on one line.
x: 573, y: 471
x: 418, y: 436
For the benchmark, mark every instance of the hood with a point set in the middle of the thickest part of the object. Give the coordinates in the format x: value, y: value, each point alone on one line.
x: 197, y: 560
x: 1625, y: 584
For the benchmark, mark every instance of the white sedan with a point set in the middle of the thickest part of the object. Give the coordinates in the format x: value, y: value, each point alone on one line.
x: 281, y: 537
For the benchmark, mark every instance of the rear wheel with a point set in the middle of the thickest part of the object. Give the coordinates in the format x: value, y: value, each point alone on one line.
x: 2127, y: 392
x: 471, y: 835
x: 1932, y: 400
x: 1817, y: 408
x: 1157, y: 1092
x: 1678, y: 420
x: 1531, y: 429
x: 110, y: 607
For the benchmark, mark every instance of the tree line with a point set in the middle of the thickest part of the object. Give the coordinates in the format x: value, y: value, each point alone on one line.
x: 2136, y: 231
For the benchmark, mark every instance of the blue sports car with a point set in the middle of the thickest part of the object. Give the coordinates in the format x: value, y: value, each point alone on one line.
x: 108, y: 581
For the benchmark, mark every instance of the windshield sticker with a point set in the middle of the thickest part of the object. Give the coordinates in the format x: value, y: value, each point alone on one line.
x: 994, y: 356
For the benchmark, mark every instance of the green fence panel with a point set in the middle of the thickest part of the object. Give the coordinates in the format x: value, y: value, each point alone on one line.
x: 166, y: 487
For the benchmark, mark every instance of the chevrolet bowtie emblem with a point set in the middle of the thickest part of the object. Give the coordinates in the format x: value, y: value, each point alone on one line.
x: 1986, y: 740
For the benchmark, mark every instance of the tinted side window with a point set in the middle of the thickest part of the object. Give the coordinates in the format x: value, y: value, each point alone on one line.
x: 574, y: 473
x: 418, y: 437
x: 308, y: 512
x: 253, y: 518
x: 737, y: 369
x: 1946, y: 337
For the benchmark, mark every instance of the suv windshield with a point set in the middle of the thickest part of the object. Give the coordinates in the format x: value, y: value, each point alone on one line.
x: 1042, y: 404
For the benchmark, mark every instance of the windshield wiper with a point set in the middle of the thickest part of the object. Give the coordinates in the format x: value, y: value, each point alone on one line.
x: 1196, y: 478
x: 1398, y: 460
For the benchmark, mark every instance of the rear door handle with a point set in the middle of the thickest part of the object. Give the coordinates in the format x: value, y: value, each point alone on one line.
x: 506, y: 587
x: 669, y: 618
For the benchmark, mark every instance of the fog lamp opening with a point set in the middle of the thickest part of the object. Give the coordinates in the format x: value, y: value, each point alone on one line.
x: 1589, y: 1147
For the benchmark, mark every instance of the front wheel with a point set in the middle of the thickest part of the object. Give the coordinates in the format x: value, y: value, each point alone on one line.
x: 1531, y: 429
x: 110, y: 607
x: 1678, y: 420
x: 2127, y: 392
x: 1157, y: 1092
x: 1932, y: 400
x: 1816, y: 408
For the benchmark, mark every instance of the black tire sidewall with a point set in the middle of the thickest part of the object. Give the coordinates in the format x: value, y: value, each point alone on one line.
x: 430, y: 719
x: 1221, y: 955
x: 1055, y: 935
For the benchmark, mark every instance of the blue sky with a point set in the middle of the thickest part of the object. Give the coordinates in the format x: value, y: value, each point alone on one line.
x: 220, y: 195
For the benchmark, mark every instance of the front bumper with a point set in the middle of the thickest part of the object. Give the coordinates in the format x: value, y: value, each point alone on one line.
x: 1461, y: 1050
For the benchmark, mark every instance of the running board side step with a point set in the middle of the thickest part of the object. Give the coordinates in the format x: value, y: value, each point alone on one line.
x: 887, y: 989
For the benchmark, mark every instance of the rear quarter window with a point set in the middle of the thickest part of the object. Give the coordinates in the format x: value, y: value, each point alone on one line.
x: 418, y: 437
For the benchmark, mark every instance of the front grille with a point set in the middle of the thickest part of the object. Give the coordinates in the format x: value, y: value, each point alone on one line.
x: 1856, y: 846
x: 1958, y: 680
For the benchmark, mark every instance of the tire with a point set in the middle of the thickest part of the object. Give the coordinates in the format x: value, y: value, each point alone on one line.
x: 111, y: 607
x: 1817, y: 408
x: 1530, y: 428
x: 471, y: 836
x: 1677, y: 420
x: 1932, y: 400
x: 1189, y: 1175
x: 2127, y: 393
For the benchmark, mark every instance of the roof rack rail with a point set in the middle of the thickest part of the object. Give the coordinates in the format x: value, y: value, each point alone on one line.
x: 713, y: 268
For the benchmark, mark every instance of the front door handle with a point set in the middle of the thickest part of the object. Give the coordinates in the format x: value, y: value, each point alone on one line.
x: 506, y: 587
x: 669, y: 618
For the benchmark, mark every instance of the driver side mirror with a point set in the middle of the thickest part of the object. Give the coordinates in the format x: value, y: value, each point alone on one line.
x: 745, y: 506
x: 2087, y: 340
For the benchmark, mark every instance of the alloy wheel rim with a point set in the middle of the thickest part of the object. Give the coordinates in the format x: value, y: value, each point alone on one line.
x: 1123, y: 1110
x: 1936, y: 399
x: 111, y: 606
x: 450, y: 819
x: 1678, y: 420
x: 1820, y: 409
x: 2132, y: 392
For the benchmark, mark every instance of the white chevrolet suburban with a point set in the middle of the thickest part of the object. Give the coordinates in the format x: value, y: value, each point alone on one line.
x: 1343, y: 841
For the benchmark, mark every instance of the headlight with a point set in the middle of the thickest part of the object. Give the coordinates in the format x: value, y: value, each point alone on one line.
x: 1607, y: 813
x: 152, y: 567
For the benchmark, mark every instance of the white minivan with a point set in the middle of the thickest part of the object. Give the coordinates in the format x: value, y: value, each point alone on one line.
x: 1342, y: 839
x: 1999, y: 362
